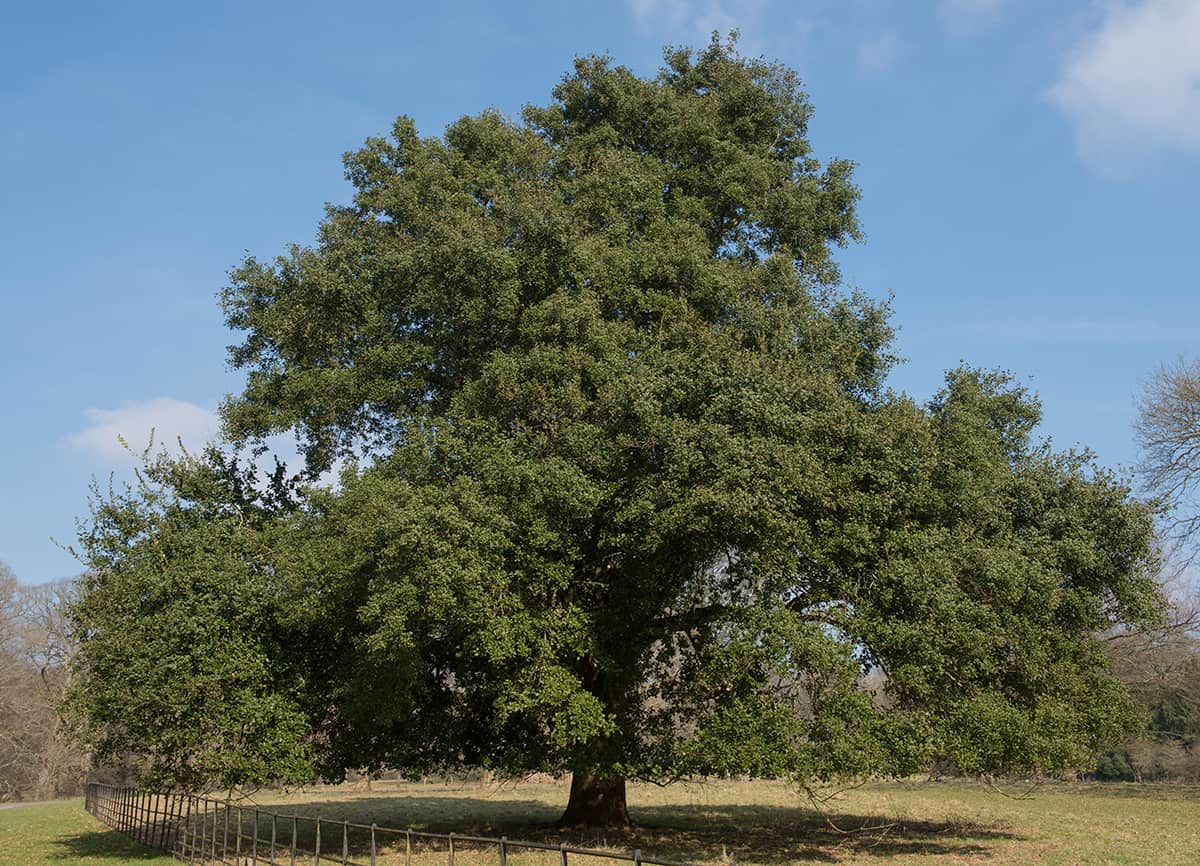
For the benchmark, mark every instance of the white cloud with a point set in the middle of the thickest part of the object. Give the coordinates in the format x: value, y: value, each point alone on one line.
x: 170, y: 420
x: 879, y: 54
x: 1133, y: 84
x: 966, y: 16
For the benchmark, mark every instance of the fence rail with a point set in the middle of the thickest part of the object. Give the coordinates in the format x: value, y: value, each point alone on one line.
x: 205, y: 831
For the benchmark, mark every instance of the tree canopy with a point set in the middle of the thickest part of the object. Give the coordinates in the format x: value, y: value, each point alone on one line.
x: 623, y: 491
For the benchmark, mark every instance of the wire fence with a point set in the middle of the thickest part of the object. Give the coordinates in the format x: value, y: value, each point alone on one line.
x: 202, y: 830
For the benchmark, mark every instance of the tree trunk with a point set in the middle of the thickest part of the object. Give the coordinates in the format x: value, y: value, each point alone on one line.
x: 596, y: 802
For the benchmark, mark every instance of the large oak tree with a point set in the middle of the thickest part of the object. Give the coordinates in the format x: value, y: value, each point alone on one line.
x: 636, y: 500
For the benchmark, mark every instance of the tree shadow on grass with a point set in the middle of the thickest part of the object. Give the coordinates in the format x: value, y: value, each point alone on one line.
x: 767, y: 834
x: 99, y: 845
x: 780, y: 834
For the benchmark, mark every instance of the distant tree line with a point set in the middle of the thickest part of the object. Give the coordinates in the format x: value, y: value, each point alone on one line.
x: 38, y: 757
x: 1162, y: 670
x: 1162, y: 666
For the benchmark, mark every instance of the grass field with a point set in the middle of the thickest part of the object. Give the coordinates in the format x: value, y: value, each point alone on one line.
x: 62, y: 834
x: 756, y: 822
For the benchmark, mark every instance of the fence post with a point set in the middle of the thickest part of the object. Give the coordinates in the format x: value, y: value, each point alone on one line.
x: 637, y: 856
x: 164, y: 805
x: 317, y: 852
x: 203, y: 814
x: 190, y: 825
x: 237, y: 845
x: 451, y: 849
x: 503, y: 851
x: 293, y: 860
x: 254, y: 843
x: 345, y: 841
x: 274, y: 831
x: 562, y: 853
x: 168, y: 806
x: 184, y: 843
x: 372, y: 843
x: 408, y: 847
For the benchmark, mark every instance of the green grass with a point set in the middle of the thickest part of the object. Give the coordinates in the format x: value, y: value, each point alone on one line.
x: 62, y: 834
x: 757, y: 822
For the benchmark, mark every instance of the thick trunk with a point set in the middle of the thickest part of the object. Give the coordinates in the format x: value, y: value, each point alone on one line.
x: 596, y: 802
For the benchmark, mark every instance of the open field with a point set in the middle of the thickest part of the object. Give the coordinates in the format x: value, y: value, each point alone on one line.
x: 757, y: 822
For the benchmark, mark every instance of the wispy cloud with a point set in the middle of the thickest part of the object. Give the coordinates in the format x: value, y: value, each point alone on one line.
x: 171, y: 421
x: 878, y: 54
x: 119, y: 436
x: 699, y: 18
x: 968, y: 16
x: 1132, y: 85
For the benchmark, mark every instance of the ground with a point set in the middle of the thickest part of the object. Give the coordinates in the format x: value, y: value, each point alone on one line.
x: 755, y: 822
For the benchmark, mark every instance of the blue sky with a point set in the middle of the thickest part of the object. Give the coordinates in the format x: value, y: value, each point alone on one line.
x: 1030, y: 176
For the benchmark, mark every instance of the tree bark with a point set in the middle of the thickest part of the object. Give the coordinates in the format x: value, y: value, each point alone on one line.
x: 596, y: 802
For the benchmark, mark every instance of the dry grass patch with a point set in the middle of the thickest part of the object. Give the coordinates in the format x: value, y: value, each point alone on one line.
x: 770, y: 823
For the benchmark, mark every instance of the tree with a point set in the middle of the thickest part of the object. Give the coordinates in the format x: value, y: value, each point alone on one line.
x: 38, y: 759
x: 1168, y: 430
x: 636, y: 501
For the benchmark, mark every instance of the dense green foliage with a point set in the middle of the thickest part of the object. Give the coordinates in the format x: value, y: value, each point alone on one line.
x: 181, y: 654
x: 638, y: 502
